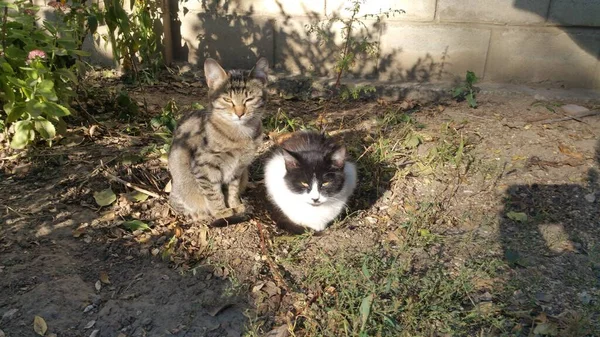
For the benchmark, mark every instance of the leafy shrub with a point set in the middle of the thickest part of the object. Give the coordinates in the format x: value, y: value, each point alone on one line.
x: 37, y: 79
x: 466, y: 90
x: 132, y: 36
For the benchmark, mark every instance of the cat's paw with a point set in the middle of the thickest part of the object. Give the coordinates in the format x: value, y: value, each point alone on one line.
x: 224, y: 213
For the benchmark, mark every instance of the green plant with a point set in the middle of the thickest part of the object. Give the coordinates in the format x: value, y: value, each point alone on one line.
x: 466, y: 90
x: 353, y: 44
x: 133, y: 39
x: 37, y: 83
x: 281, y: 122
x: 355, y: 92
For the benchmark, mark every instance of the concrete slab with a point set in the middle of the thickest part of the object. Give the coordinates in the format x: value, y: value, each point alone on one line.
x: 543, y: 55
x: 496, y: 11
x: 423, y: 52
x: 423, y: 10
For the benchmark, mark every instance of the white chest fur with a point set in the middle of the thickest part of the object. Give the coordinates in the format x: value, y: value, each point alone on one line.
x: 294, y: 205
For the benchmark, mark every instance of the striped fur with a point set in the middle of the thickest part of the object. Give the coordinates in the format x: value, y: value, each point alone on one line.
x: 213, y: 148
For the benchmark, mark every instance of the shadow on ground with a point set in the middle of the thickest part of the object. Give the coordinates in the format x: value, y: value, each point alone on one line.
x: 549, y: 234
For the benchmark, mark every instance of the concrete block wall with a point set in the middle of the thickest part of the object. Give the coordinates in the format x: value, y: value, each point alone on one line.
x: 555, y: 43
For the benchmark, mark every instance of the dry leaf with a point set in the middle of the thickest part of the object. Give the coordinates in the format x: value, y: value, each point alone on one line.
x: 94, y: 333
x: 79, y: 232
x: 98, y: 285
x: 104, y: 277
x: 90, y: 324
x: 39, y: 326
x: 280, y: 331
x: 566, y: 151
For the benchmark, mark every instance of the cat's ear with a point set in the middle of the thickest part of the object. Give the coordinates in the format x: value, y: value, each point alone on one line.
x: 214, y: 73
x: 261, y: 69
x: 338, y: 157
x: 291, y: 161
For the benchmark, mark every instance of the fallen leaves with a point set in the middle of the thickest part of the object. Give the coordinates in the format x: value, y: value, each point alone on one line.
x: 104, y: 277
x: 517, y: 216
x: 105, y: 197
x: 39, y: 325
x: 568, y: 152
x: 134, y: 225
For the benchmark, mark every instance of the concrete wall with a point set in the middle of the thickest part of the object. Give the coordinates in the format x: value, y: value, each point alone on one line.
x: 550, y: 42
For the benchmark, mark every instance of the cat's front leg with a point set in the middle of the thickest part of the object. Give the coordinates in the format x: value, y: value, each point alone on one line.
x: 209, y: 180
x: 234, y: 189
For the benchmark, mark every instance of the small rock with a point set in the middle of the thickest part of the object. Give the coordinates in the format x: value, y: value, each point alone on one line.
x: 543, y: 297
x: 572, y: 109
x: 539, y: 97
x: 9, y: 314
x: 584, y: 297
x: 88, y: 308
x: 371, y: 220
x: 485, y: 297
x: 590, y: 197
x: 95, y: 333
x: 89, y: 325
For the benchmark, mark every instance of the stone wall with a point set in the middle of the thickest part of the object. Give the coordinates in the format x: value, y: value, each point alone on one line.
x: 554, y: 43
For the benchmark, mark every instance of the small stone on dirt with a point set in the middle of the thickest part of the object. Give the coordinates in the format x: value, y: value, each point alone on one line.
x: 2, y: 334
x: 572, y: 109
x: 543, y: 297
x: 90, y: 324
x: 590, y: 197
x: 584, y: 297
x: 88, y: 308
x: 280, y: 331
x: 9, y: 314
x: 94, y: 333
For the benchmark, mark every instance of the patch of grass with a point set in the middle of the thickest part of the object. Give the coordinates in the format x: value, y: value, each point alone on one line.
x: 280, y: 122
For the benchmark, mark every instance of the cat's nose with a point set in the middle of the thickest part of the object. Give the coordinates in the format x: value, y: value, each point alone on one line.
x: 315, y: 200
x: 239, y: 110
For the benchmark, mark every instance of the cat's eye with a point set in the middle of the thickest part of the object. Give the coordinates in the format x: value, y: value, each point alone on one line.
x: 226, y: 99
x: 326, y: 184
x: 304, y: 184
x: 249, y: 99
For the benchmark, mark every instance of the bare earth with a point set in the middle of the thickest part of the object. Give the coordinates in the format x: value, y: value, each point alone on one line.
x: 523, y: 199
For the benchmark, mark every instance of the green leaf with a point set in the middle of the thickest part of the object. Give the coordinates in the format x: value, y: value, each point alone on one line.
x: 365, y: 270
x: 471, y: 78
x: 197, y: 106
x: 517, y: 216
x: 45, y: 128
x: 134, y: 225
x: 67, y: 74
x: 471, y: 99
x: 79, y: 52
x: 14, y: 111
x: 50, y: 27
x: 57, y: 110
x: 365, y: 311
x: 412, y: 141
x: 46, y: 87
x: 546, y: 329
x: 36, y: 107
x: 7, y: 69
x: 16, y: 81
x: 23, y: 134
x: 105, y: 197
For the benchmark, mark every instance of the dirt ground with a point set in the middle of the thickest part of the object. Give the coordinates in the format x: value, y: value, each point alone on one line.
x: 516, y: 194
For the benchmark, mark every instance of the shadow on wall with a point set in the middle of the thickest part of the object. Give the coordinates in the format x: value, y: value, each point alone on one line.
x: 237, y: 36
x: 562, y: 17
x: 549, y: 234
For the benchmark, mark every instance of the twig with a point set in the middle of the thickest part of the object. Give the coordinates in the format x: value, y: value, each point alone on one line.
x: 575, y: 117
x: 274, y: 269
x: 139, y: 189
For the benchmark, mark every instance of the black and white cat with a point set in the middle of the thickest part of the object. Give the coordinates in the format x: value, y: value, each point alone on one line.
x: 309, y: 180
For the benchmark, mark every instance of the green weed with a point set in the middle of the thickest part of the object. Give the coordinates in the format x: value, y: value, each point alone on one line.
x: 466, y: 90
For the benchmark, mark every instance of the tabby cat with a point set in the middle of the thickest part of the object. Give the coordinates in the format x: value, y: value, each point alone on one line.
x: 212, y: 148
x: 309, y: 180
